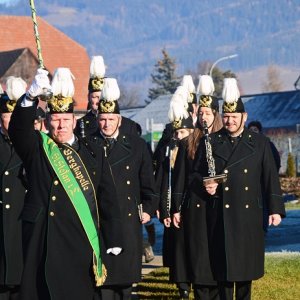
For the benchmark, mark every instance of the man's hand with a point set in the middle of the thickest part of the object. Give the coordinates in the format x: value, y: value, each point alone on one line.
x: 177, y: 219
x: 40, y: 82
x: 167, y: 222
x: 210, y: 186
x: 145, y: 218
x: 274, y: 219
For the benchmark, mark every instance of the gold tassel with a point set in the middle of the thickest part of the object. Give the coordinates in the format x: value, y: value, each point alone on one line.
x: 100, y: 279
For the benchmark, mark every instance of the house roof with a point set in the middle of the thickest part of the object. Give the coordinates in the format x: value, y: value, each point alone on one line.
x: 273, y: 110
x: 58, y: 50
x: 7, y: 58
x: 156, y: 112
x: 131, y: 111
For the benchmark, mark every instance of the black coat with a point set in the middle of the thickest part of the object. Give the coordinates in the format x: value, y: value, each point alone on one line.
x: 235, y: 213
x: 128, y: 127
x: 195, y: 253
x: 58, y: 256
x: 90, y: 124
x: 163, y: 179
x: 159, y: 153
x: 131, y: 167
x: 174, y: 252
x: 11, y: 203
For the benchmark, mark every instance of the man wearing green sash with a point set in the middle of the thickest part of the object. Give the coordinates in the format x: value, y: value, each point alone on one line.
x: 69, y: 216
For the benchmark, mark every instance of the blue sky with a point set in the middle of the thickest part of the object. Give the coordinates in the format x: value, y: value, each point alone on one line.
x: 8, y: 2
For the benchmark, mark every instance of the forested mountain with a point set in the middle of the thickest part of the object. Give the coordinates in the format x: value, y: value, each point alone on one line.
x: 130, y: 34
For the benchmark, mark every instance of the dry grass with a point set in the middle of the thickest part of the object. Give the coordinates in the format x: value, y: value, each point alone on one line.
x: 281, y: 280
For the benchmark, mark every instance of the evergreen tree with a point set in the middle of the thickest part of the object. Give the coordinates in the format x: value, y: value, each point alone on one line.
x: 164, y: 77
x: 291, y: 166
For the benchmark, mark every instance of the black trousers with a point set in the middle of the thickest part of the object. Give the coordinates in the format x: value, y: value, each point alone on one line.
x: 242, y: 290
x: 9, y: 293
x: 206, y: 292
x: 116, y: 292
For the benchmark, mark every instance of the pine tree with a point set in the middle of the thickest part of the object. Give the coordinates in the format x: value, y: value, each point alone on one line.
x: 291, y: 166
x: 164, y: 77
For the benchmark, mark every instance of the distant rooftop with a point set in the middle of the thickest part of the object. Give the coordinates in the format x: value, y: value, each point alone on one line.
x: 131, y: 112
x: 273, y: 110
x: 58, y: 50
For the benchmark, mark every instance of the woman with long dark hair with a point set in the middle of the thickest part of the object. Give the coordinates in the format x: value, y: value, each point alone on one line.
x: 189, y: 210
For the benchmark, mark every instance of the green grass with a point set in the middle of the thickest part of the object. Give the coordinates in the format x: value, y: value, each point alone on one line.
x: 281, y: 280
x: 292, y: 206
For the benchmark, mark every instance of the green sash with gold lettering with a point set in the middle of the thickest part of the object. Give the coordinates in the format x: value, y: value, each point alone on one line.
x: 76, y: 181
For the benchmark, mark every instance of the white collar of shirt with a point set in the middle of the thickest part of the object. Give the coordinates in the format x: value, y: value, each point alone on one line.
x: 71, y: 141
x: 114, y: 136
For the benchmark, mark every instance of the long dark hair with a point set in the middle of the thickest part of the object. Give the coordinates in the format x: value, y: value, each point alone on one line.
x: 194, y: 138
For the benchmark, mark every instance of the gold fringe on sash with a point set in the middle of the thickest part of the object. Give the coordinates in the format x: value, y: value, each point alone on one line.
x: 100, y: 279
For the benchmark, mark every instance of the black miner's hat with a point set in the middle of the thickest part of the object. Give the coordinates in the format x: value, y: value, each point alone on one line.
x: 110, y: 95
x: 97, y: 72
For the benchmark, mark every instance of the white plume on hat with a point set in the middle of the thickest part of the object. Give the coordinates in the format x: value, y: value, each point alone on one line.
x: 179, y: 104
x: 62, y: 83
x: 111, y: 91
x: 181, y: 95
x: 187, y: 81
x: 177, y: 112
x: 1, y: 90
x: 15, y: 87
x: 205, y: 86
x: 97, y: 67
x: 230, y: 91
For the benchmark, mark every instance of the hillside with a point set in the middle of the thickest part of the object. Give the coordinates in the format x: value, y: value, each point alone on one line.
x: 130, y: 34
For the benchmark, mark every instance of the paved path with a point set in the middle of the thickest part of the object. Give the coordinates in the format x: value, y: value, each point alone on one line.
x: 285, y: 237
x: 154, y: 264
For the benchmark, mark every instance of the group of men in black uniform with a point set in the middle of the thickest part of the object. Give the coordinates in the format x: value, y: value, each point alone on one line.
x: 77, y: 202
x: 88, y: 194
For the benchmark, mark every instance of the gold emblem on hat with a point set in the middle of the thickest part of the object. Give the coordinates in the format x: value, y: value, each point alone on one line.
x: 229, y: 107
x: 107, y: 106
x: 11, y: 105
x: 205, y: 101
x: 59, y: 103
x: 177, y: 124
x: 97, y: 83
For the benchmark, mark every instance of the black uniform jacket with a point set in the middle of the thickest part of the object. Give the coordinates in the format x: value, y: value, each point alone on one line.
x: 90, y: 124
x: 164, y: 185
x: 128, y: 126
x: 164, y: 179
x: 131, y: 166
x: 193, y: 213
x: 11, y: 203
x: 160, y: 150
x: 235, y: 213
x: 58, y: 256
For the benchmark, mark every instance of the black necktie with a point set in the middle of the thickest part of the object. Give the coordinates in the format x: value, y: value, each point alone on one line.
x: 110, y: 142
x: 75, y: 145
